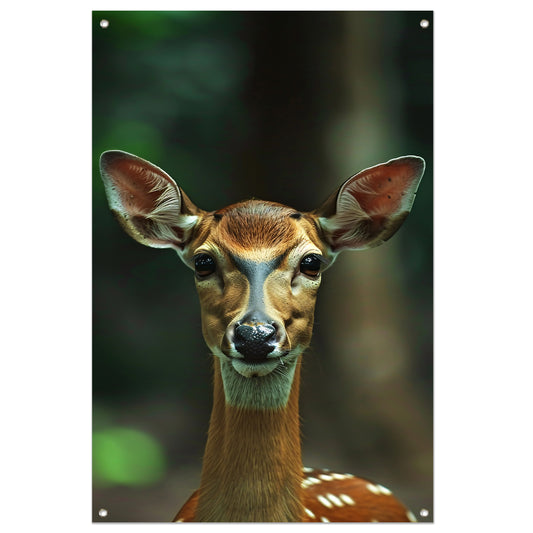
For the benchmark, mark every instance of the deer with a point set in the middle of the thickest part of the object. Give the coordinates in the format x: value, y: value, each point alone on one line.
x: 257, y: 269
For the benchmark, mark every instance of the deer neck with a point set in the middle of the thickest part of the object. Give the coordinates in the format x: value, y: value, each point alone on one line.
x: 252, y: 467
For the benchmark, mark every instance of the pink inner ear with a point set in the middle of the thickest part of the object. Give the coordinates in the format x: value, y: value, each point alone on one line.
x: 134, y: 182
x: 372, y: 205
x: 387, y: 189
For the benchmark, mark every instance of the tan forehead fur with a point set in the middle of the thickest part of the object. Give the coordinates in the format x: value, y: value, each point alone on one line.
x: 246, y: 228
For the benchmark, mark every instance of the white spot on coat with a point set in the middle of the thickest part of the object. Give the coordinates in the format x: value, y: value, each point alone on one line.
x: 338, y: 476
x: 384, y: 490
x: 373, y: 488
x: 324, y: 501
x: 336, y: 501
x: 346, y: 499
x: 309, y: 513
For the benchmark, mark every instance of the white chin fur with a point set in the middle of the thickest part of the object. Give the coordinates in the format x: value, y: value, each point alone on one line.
x: 265, y: 385
x: 249, y: 370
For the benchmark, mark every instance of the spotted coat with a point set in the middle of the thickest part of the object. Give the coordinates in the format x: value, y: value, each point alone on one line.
x: 334, y: 497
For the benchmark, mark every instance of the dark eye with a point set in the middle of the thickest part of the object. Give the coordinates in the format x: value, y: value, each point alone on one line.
x: 204, y: 265
x: 310, y: 265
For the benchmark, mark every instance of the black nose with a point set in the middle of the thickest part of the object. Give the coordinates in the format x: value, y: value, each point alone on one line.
x: 254, y: 340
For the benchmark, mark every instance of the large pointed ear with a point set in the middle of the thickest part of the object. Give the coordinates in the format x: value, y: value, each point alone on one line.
x: 370, y: 206
x: 147, y: 202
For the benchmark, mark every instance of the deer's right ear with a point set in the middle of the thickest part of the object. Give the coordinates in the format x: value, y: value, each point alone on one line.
x: 147, y: 202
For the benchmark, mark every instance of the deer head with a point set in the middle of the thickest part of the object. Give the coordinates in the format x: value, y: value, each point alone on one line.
x: 258, y: 264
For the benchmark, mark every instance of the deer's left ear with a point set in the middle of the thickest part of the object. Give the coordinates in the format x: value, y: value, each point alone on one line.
x: 370, y: 206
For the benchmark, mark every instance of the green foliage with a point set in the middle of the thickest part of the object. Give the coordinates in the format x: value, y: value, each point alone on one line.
x: 126, y: 456
x: 133, y: 136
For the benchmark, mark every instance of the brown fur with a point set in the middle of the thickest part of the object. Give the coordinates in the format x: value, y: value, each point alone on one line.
x: 253, y: 226
x: 252, y: 468
x: 259, y: 231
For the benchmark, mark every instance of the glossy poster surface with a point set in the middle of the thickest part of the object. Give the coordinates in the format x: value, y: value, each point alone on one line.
x: 281, y: 106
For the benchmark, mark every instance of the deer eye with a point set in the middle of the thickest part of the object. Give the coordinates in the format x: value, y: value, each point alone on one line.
x: 310, y: 265
x: 204, y: 265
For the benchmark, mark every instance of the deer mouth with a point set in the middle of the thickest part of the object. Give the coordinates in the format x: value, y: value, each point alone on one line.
x: 254, y: 368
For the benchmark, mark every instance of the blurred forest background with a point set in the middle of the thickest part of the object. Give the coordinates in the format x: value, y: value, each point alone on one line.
x: 282, y: 106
